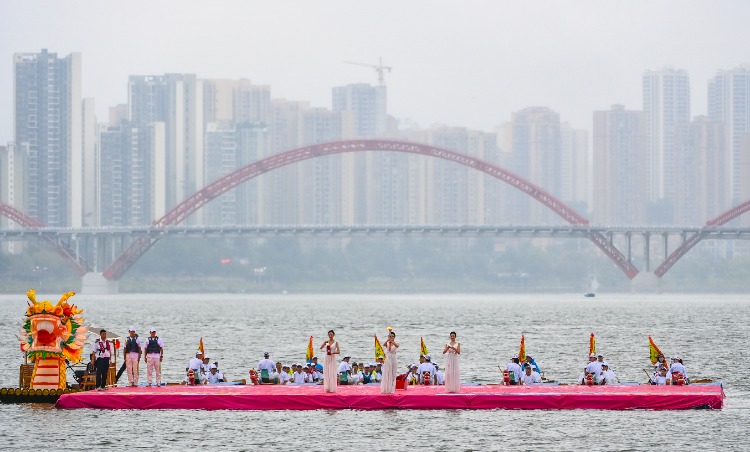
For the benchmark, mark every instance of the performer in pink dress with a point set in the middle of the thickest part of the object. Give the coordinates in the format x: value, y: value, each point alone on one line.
x: 452, y: 372
x: 388, y: 385
x: 331, y: 367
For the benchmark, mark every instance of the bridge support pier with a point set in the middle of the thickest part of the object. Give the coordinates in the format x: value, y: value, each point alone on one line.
x: 97, y: 284
x: 646, y: 282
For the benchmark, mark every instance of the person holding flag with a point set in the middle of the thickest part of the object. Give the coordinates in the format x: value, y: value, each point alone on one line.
x: 388, y: 384
x: 656, y: 356
x: 524, y: 359
x: 593, y: 367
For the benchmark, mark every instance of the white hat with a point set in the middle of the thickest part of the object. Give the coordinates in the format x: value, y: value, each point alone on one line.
x: 604, y: 363
x: 266, y: 353
x: 212, y: 366
x: 346, y: 356
x: 132, y: 328
x: 152, y: 330
x: 676, y: 357
x: 593, y: 355
x: 198, y: 352
x: 427, y: 357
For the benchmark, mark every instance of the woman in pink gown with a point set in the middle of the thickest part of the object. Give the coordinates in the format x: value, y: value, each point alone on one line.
x: 388, y: 384
x: 452, y: 372
x: 331, y: 367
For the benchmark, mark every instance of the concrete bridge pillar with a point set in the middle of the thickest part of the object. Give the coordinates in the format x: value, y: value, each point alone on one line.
x: 646, y: 282
x: 97, y: 284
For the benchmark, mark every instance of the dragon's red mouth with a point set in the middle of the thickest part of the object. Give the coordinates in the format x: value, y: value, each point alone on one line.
x: 44, y: 337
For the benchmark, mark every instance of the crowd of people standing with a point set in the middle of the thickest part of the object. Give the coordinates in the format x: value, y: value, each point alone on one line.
x: 332, y: 373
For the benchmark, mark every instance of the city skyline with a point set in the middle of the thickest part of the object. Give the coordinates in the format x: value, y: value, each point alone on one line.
x: 484, y: 62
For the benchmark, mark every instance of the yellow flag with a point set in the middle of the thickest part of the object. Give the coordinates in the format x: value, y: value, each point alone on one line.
x: 592, y: 345
x: 423, y: 348
x: 654, y: 351
x: 379, y: 353
x: 522, y: 350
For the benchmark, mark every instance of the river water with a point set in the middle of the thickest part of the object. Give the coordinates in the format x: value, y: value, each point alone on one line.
x: 710, y: 332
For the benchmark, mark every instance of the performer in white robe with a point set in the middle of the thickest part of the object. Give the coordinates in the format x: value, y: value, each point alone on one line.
x: 452, y: 371
x: 388, y: 385
x: 330, y: 375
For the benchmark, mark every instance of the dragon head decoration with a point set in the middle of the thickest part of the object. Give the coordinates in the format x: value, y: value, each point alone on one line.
x: 53, y: 330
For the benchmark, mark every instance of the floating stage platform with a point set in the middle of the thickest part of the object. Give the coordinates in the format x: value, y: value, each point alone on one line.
x: 368, y: 397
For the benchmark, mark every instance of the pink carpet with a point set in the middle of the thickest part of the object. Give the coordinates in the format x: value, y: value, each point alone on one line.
x: 312, y: 397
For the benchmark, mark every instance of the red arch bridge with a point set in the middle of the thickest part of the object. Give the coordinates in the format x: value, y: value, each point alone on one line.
x: 603, y: 238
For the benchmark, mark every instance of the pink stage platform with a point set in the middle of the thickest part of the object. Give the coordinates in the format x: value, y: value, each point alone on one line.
x: 312, y: 397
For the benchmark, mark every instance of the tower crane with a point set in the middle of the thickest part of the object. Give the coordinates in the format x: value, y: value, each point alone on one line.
x: 379, y: 68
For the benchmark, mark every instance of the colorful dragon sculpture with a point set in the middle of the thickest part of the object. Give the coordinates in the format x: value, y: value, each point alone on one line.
x: 50, y: 335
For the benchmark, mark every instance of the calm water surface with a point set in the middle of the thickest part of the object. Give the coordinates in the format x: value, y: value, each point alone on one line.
x: 710, y: 332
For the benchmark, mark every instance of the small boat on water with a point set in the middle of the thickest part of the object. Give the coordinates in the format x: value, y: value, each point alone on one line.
x: 589, y: 294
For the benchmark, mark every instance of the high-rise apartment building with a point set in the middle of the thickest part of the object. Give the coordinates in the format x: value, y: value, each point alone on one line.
x: 13, y: 161
x: 536, y: 155
x: 666, y: 104
x: 729, y: 103
x: 620, y: 167
x: 285, y: 133
x: 367, y: 107
x: 126, y: 162
x: 47, y: 102
x: 177, y: 101
x: 239, y: 101
x: 702, y: 165
x: 89, y: 173
x: 575, y: 168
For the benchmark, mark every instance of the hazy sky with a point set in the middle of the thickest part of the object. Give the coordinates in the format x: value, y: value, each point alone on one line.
x: 462, y: 63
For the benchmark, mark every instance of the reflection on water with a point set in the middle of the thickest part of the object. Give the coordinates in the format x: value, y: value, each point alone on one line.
x: 708, y: 331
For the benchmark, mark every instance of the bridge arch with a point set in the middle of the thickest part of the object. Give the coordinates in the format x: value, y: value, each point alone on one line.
x: 64, y: 251
x: 693, y: 240
x: 229, y: 181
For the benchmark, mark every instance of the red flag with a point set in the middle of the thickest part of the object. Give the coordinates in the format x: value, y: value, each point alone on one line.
x: 200, y: 347
x: 592, y: 345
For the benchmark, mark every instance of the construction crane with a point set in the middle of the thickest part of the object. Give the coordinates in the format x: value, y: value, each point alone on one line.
x: 379, y: 68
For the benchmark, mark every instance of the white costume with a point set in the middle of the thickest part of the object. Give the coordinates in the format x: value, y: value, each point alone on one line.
x: 330, y: 376
x: 677, y: 367
x: 299, y: 377
x: 214, y: 378
x: 439, y: 377
x: 345, y: 367
x: 607, y: 377
x: 267, y: 364
x: 426, y: 367
x: 452, y: 369
x: 594, y: 367
x: 153, y: 359
x: 515, y: 369
x: 531, y: 379
x: 196, y: 364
